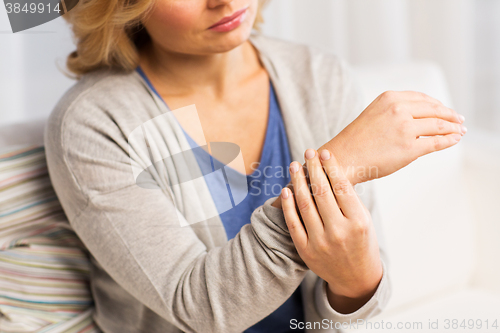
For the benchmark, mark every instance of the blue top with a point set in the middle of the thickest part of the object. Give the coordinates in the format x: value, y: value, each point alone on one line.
x: 266, y: 181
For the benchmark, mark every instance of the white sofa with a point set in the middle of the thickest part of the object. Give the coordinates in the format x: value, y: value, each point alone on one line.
x: 439, y: 215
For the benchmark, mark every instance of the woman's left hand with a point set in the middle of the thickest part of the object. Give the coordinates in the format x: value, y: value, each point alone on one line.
x: 336, y: 240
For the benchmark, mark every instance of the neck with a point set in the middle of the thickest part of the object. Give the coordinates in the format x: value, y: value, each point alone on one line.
x: 185, y: 72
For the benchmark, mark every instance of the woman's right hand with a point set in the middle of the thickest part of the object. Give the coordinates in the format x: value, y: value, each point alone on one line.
x: 385, y: 137
x: 333, y: 231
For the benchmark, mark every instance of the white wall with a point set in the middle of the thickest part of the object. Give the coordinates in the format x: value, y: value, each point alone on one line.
x: 30, y: 81
x: 487, y: 46
x: 443, y: 30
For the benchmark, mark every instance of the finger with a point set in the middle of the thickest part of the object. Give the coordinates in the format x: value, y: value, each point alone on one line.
x: 304, y: 201
x: 429, y: 110
x: 347, y: 198
x: 428, y: 145
x: 295, y: 227
x: 436, y: 126
x: 320, y: 187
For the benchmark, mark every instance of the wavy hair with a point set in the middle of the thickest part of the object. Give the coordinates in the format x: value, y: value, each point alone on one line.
x: 108, y: 33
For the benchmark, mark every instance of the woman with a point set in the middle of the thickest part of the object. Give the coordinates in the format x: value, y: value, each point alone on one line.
x: 141, y: 194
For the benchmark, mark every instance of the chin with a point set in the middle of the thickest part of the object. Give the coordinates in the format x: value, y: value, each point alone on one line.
x: 225, y: 42
x: 228, y: 45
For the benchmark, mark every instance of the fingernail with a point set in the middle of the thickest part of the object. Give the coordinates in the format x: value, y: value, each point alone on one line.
x: 462, y: 118
x: 294, y: 167
x: 310, y: 153
x: 325, y: 155
x: 457, y: 137
x: 464, y: 129
x: 285, y: 193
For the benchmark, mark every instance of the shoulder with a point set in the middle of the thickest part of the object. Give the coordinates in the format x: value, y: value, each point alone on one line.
x: 88, y: 131
x: 310, y: 73
x: 99, y: 89
x: 297, y: 57
x: 91, y: 124
x: 104, y: 101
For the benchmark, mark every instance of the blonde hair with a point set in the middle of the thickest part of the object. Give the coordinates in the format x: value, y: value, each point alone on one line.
x: 108, y: 33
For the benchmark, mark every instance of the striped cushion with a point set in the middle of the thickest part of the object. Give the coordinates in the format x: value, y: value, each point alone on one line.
x: 44, y: 267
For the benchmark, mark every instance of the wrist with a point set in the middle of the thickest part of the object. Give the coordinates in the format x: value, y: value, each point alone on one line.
x: 336, y: 147
x: 348, y: 301
x: 344, y: 304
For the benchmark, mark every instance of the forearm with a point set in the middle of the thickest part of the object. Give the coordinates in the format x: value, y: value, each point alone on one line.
x: 177, y: 277
x: 345, y: 297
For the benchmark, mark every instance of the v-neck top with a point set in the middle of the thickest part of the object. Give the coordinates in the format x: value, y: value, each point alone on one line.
x: 269, y: 176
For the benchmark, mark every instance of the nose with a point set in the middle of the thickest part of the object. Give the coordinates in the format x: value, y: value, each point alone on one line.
x: 216, y: 3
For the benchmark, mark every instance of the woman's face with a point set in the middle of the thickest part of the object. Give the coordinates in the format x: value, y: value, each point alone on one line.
x: 201, y: 27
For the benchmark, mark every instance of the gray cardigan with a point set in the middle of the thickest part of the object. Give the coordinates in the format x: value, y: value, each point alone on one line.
x: 154, y: 272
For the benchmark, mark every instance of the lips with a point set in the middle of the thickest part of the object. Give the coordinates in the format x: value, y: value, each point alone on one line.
x: 229, y: 22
